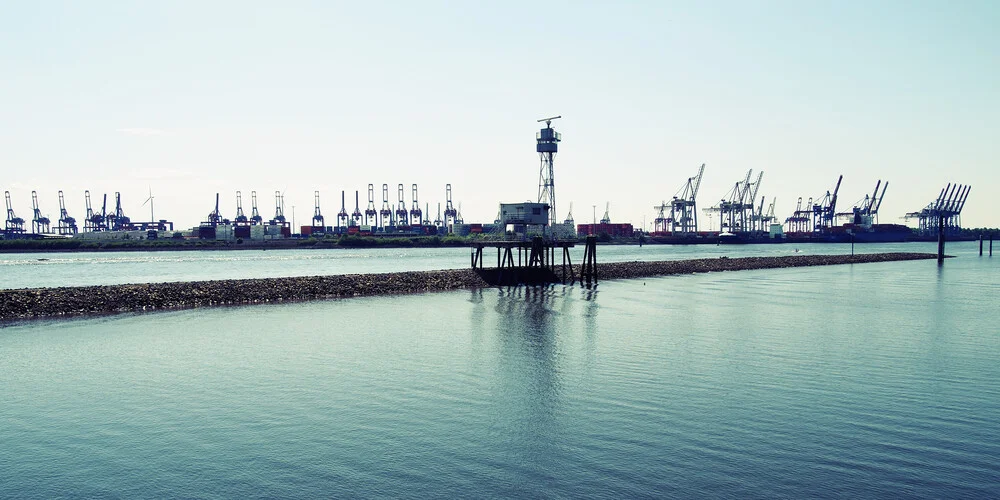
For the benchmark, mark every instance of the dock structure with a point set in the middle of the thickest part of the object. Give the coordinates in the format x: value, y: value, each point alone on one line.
x: 536, y: 261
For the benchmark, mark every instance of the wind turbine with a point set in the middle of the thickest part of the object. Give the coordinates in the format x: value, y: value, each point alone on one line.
x: 150, y: 201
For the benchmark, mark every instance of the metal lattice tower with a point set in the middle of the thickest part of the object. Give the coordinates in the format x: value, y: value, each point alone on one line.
x: 547, y: 145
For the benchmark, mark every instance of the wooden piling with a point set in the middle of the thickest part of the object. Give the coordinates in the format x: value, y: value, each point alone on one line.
x: 940, y: 253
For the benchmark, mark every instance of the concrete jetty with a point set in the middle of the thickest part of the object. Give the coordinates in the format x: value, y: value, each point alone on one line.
x: 111, y: 299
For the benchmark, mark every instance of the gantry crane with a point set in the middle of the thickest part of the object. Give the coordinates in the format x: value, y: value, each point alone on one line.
x: 370, y: 213
x: 402, y: 216
x: 385, y: 214
x: 255, y: 217
x: 39, y: 223
x: 865, y: 212
x: 15, y: 224
x: 732, y: 210
x: 356, y: 214
x: 241, y: 218
x: 450, y: 214
x: 824, y: 212
x: 416, y: 216
x: 342, y: 216
x: 67, y: 224
x: 683, y: 208
x: 317, y: 220
x: 279, y: 209
x: 214, y: 217
x: 945, y: 213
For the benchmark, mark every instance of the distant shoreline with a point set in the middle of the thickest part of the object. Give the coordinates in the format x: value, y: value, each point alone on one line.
x: 32, y: 303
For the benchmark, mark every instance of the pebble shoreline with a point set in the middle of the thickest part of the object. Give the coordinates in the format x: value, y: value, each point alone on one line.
x: 109, y: 299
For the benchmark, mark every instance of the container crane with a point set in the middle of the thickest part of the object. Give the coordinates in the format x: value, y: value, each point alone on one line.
x: 255, y: 218
x: 39, y: 223
x: 317, y: 220
x: 356, y: 215
x: 15, y: 224
x: 385, y: 214
x: 944, y: 213
x: 755, y: 213
x: 416, y: 216
x: 824, y: 212
x: 93, y: 221
x: 683, y: 209
x: 67, y: 224
x: 279, y: 209
x: 450, y: 214
x: 402, y: 216
x: 241, y: 218
x: 123, y: 222
x: 607, y: 214
x: 370, y: 213
x: 214, y: 218
x: 569, y: 217
x: 732, y: 209
x: 342, y: 216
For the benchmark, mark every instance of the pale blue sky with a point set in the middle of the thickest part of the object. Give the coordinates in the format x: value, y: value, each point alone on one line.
x: 194, y: 98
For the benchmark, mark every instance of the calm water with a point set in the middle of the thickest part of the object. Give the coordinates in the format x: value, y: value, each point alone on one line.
x: 30, y: 270
x: 870, y: 381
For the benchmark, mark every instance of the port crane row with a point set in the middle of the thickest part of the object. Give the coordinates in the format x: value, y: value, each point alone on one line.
x: 102, y: 218
x: 742, y: 209
x: 398, y: 214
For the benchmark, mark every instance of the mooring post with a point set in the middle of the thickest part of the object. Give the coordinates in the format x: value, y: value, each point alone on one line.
x: 991, y: 245
x: 980, y: 244
x: 589, y: 268
x: 941, y: 240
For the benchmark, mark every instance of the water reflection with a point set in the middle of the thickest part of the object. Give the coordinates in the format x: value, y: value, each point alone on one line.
x: 527, y: 394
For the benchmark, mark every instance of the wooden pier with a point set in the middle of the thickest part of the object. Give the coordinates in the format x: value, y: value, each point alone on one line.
x: 535, y: 262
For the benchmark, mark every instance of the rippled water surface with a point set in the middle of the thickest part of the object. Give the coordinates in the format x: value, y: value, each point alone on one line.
x: 865, y: 381
x: 30, y: 270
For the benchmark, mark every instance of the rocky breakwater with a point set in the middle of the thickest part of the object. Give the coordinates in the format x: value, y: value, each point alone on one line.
x: 109, y: 299
x: 624, y: 270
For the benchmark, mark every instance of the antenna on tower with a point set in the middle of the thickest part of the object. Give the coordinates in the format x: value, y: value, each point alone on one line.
x: 547, y: 145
